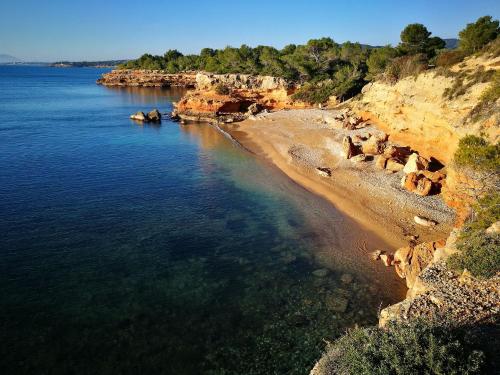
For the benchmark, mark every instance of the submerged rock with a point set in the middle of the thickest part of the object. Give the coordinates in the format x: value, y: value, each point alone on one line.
x: 322, y: 272
x: 336, y: 303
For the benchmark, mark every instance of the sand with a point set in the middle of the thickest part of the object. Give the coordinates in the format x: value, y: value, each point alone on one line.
x: 299, y: 141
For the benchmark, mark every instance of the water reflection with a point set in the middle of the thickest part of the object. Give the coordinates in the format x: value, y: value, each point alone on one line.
x: 146, y: 95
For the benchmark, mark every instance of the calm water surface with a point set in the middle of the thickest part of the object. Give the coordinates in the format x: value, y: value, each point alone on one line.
x: 158, y: 249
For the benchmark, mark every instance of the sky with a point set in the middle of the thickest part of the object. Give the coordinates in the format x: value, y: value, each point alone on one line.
x: 51, y: 30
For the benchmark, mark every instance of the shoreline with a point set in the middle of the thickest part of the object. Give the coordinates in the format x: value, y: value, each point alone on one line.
x: 385, y: 214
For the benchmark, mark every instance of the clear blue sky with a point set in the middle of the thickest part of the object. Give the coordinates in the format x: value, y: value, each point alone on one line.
x: 48, y: 30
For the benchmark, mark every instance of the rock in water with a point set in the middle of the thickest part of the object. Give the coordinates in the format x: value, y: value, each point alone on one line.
x: 415, y: 163
x: 336, y: 303
x: 322, y: 272
x: 139, y: 116
x: 154, y: 116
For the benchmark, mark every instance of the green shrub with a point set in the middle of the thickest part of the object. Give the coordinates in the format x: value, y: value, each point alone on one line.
x: 379, y: 59
x: 315, y: 92
x: 449, y: 58
x: 476, y: 35
x: 405, y: 66
x: 477, y: 153
x: 487, y: 102
x: 404, y: 349
x: 479, y: 251
x: 222, y: 89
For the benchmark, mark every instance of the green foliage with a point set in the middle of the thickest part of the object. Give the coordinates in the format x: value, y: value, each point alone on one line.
x: 487, y: 102
x: 477, y: 153
x: 415, y: 39
x: 405, y: 66
x: 379, y: 59
x: 480, y: 251
x: 476, y: 35
x: 222, y: 89
x: 405, y: 349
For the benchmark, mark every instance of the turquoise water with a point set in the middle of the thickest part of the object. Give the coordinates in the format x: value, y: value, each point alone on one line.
x: 159, y: 249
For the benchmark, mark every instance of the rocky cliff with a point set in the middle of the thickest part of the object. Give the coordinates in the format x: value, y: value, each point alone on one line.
x: 231, y: 97
x: 147, y: 78
x: 432, y: 111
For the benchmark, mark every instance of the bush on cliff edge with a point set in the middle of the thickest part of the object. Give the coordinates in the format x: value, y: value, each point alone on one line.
x: 404, y: 349
x: 479, y: 251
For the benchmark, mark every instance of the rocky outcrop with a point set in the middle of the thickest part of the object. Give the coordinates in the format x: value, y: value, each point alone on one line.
x: 233, y: 97
x: 152, y: 116
x: 147, y: 78
x: 417, y: 111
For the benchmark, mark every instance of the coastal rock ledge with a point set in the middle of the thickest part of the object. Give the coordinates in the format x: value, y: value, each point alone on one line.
x: 147, y: 78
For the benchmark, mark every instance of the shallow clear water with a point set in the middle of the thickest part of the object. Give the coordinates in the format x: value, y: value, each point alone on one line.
x: 129, y: 248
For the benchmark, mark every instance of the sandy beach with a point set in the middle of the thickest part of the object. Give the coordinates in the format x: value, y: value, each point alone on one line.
x: 300, y: 141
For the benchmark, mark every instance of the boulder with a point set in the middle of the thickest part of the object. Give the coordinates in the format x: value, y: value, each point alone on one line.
x: 358, y: 158
x: 254, y: 108
x: 394, y: 165
x: 336, y: 303
x: 139, y: 116
x: 410, y: 181
x: 376, y: 254
x: 398, y: 152
x: 154, y: 116
x: 372, y: 146
x: 387, y: 259
x: 322, y: 272
x: 325, y: 172
x: 380, y: 161
x: 493, y: 228
x: 348, y: 147
x: 424, y: 186
x: 415, y: 163
x: 436, y: 176
x: 424, y: 221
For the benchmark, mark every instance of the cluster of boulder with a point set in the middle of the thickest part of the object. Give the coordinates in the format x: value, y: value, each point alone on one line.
x: 152, y: 116
x: 393, y: 158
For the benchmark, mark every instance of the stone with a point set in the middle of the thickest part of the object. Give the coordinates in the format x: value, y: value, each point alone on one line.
x: 336, y: 303
x: 325, y: 172
x: 394, y: 165
x: 398, y: 152
x: 346, y: 278
x: 372, y: 146
x: 254, y: 108
x: 465, y: 277
x: 380, y: 161
x: 376, y: 254
x: 424, y: 186
x: 139, y: 116
x: 321, y: 272
x: 420, y: 220
x: 415, y: 163
x: 348, y: 147
x: 154, y: 116
x: 435, y: 177
x: 358, y: 158
x: 410, y: 181
x: 493, y: 228
x: 387, y: 259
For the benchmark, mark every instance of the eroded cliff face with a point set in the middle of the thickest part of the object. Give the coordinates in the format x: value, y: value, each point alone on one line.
x: 147, y: 78
x: 418, y: 112
x: 243, y: 91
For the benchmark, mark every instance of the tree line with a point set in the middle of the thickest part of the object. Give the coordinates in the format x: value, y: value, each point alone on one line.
x: 323, y: 66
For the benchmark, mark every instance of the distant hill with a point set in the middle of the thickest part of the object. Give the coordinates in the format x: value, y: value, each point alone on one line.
x: 88, y: 64
x: 8, y: 59
x: 451, y: 43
